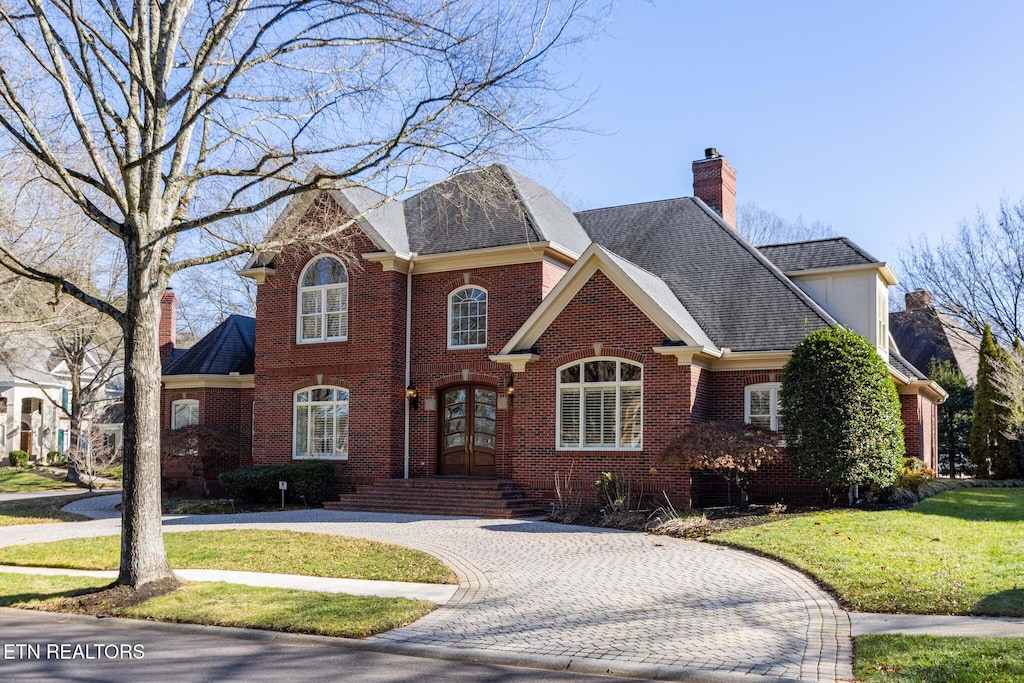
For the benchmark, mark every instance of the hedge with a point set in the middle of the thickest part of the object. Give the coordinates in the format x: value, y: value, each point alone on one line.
x: 307, y: 480
x: 19, y: 459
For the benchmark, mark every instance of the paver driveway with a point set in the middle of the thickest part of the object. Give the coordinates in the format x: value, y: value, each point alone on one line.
x: 622, y: 601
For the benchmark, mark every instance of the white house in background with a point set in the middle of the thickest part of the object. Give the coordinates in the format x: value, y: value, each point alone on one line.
x: 35, y: 395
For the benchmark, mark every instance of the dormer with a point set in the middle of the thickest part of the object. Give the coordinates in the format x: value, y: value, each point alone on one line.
x: 842, y: 278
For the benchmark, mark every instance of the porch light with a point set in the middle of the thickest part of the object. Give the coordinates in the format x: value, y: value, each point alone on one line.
x: 510, y: 390
x: 412, y: 396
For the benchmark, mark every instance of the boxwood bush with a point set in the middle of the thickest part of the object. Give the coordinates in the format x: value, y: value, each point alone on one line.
x: 19, y: 459
x: 309, y: 479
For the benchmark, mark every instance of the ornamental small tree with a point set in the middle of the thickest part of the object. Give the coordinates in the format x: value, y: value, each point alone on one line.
x: 732, y: 450
x: 842, y: 413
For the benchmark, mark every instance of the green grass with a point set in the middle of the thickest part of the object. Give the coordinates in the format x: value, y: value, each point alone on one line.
x: 222, y: 604
x: 13, y: 480
x: 928, y: 659
x: 112, y: 472
x: 280, y: 552
x: 38, y: 511
x: 961, y: 552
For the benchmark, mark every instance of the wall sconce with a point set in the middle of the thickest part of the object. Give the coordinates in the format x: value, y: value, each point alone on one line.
x: 510, y: 390
x: 412, y: 396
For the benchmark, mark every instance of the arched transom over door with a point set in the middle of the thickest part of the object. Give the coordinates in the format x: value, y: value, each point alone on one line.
x: 467, y: 431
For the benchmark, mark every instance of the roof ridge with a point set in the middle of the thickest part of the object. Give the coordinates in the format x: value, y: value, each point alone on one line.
x: 860, y: 250
x: 531, y: 219
x: 621, y: 206
x: 772, y: 268
x: 837, y: 238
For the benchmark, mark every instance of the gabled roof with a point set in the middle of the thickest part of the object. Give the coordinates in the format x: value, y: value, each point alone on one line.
x: 830, y: 252
x: 737, y: 297
x: 923, y: 334
x: 228, y: 348
x: 903, y: 365
x: 647, y: 291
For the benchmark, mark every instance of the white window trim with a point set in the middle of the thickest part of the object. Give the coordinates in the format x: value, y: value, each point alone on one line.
x: 775, y: 388
x: 174, y: 412
x: 618, y: 406
x: 295, y: 421
x: 487, y: 318
x: 299, y: 289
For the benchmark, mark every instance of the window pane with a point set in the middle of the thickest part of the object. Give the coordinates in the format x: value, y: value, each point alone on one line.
x: 335, y: 325
x: 302, y: 430
x: 631, y: 414
x: 760, y: 403
x: 302, y: 396
x: 599, y: 417
x: 630, y: 372
x: 570, y: 432
x: 341, y: 430
x: 311, y: 326
x: 599, y: 371
x: 322, y: 394
x: 311, y: 302
x: 761, y: 421
x: 324, y: 272
x: 337, y: 298
x: 571, y: 374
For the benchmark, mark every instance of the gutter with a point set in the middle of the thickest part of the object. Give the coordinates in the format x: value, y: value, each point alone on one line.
x: 408, y: 354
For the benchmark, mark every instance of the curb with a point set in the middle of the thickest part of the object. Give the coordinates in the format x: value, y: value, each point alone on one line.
x: 476, y: 656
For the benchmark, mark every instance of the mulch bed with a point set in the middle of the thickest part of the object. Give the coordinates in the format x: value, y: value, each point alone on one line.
x: 105, y: 601
x: 719, y: 519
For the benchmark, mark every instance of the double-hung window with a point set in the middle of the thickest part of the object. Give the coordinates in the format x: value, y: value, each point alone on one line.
x: 600, y: 405
x: 323, y: 301
x: 761, y: 406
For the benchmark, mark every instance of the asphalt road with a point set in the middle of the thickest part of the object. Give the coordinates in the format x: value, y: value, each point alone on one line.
x: 184, y: 657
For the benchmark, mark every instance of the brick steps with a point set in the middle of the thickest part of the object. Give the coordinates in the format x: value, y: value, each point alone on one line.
x: 472, y: 497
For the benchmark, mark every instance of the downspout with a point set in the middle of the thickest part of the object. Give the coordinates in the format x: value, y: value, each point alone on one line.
x: 408, y: 352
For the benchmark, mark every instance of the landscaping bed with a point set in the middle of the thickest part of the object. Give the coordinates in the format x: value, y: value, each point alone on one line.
x: 217, y: 604
x: 276, y: 552
x: 961, y: 552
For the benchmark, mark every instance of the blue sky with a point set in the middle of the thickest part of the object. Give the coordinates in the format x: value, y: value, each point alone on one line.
x: 887, y: 120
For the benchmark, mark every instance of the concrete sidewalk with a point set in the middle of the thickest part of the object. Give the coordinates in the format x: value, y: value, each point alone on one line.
x: 438, y: 594
x: 936, y: 625
x: 26, y: 495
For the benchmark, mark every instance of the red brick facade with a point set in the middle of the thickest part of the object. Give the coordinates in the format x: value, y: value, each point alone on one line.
x: 600, y: 321
x: 920, y: 424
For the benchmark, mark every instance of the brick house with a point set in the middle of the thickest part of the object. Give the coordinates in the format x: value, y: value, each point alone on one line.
x: 480, y: 330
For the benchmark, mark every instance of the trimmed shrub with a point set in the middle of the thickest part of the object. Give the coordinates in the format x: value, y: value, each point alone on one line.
x: 308, y: 479
x: 54, y: 457
x: 19, y: 459
x: 841, y: 411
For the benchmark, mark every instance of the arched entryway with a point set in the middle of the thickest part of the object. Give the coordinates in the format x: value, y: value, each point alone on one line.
x: 26, y: 437
x: 466, y: 430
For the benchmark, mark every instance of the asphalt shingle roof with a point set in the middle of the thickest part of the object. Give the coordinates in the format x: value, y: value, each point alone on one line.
x: 229, y: 347
x: 923, y: 334
x: 732, y: 291
x: 903, y: 365
x: 831, y: 252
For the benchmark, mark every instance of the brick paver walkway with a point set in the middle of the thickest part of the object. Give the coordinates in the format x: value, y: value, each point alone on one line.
x: 625, y: 600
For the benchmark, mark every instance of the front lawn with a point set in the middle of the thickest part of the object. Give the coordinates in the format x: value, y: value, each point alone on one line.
x: 961, y: 552
x: 926, y: 659
x: 222, y: 604
x: 277, y: 552
x: 38, y: 510
x: 15, y: 480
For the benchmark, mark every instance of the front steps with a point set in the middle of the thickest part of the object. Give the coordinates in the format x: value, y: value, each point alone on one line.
x: 441, y: 496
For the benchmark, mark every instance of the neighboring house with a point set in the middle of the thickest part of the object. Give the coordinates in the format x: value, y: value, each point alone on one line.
x: 924, y: 334
x: 486, y: 330
x: 35, y: 397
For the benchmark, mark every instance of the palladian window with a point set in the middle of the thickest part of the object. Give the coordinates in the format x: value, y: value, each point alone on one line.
x: 467, y: 318
x: 321, y: 423
x: 600, y: 405
x: 323, y: 301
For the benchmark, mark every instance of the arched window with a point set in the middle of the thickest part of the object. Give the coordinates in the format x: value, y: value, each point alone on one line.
x: 600, y: 405
x: 321, y: 423
x: 323, y: 301
x: 184, y: 413
x: 467, y: 318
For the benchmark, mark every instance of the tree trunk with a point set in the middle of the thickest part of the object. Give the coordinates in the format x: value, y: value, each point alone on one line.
x: 143, y: 558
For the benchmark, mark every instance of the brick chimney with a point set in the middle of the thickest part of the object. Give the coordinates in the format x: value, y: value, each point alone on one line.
x: 168, y: 325
x: 714, y: 181
x: 918, y: 299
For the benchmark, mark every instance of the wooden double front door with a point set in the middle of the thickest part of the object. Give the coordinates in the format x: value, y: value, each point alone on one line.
x: 466, y: 431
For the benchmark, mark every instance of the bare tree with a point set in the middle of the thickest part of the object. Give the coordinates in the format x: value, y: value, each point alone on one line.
x: 760, y: 226
x: 977, y: 275
x: 89, y: 457
x: 169, y: 124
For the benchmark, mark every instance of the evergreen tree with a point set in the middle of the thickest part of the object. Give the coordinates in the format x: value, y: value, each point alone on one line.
x: 954, y: 418
x: 842, y: 412
x: 991, y: 453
